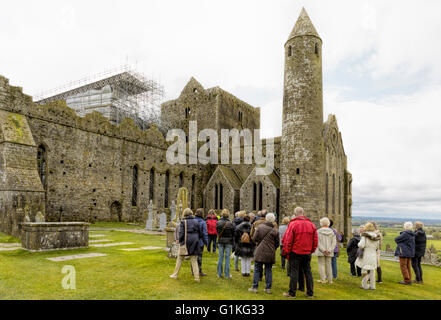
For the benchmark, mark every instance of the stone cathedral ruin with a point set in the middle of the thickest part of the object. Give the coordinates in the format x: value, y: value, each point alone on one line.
x: 92, y: 163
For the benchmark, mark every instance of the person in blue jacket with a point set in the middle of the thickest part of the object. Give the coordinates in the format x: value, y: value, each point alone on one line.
x: 204, y: 240
x: 420, y: 251
x: 406, y: 251
x: 189, y: 235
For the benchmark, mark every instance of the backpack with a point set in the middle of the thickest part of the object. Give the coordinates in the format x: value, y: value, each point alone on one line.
x: 245, y: 238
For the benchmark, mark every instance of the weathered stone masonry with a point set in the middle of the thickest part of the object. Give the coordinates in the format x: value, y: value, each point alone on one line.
x: 88, y: 162
x: 73, y: 168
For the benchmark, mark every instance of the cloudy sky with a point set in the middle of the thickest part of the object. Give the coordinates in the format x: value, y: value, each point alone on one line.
x: 382, y: 71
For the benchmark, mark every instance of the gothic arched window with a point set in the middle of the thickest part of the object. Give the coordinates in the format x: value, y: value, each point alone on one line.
x: 339, y: 195
x: 327, y: 194
x: 135, y: 186
x: 152, y: 184
x: 260, y: 195
x: 193, y: 185
x: 254, y: 196
x: 216, y: 199
x: 221, y: 196
x: 333, y: 193
x: 166, y: 184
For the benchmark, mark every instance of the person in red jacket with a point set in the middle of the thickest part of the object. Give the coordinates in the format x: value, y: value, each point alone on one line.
x: 211, y: 230
x: 299, y: 242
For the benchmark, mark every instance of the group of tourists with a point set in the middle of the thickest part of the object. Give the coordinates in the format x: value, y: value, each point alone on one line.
x: 364, y: 253
x: 249, y: 237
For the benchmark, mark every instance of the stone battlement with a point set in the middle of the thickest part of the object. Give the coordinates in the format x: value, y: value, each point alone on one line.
x: 13, y: 100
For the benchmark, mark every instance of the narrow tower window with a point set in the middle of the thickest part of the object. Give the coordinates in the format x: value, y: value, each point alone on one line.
x: 316, y: 49
x: 289, y: 51
x: 135, y: 186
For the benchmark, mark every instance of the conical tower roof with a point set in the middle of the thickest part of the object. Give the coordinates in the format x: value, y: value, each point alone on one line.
x: 303, y: 26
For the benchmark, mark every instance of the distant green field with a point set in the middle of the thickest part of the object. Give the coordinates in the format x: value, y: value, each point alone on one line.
x: 392, y: 233
x: 145, y: 275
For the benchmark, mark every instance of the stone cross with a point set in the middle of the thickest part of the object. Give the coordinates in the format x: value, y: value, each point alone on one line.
x: 39, y: 217
x: 149, y: 223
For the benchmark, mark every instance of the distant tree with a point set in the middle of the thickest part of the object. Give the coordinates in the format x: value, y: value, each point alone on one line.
x: 437, y: 235
x: 383, y: 233
x: 433, y: 249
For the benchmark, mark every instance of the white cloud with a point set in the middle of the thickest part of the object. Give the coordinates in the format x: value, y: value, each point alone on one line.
x: 393, y: 148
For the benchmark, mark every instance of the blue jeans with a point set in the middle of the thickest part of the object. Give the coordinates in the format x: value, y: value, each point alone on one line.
x: 236, y: 262
x: 258, y: 270
x: 212, y: 240
x: 224, y: 249
x: 334, y: 265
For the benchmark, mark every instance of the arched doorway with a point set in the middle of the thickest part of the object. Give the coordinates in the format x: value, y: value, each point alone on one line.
x: 116, y: 212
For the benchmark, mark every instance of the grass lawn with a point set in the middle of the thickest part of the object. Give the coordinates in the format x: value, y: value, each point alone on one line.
x: 145, y: 275
x: 116, y: 225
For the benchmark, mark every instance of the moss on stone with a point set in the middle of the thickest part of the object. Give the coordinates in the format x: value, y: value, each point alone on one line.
x: 17, y: 120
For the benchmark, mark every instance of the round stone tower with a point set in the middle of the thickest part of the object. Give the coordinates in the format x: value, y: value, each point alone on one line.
x: 302, y: 147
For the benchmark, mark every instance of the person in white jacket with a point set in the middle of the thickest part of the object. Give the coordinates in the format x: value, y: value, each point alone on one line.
x: 368, y: 262
x: 325, y: 250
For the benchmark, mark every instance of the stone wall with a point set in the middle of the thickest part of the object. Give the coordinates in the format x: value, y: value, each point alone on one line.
x: 212, y: 108
x: 89, y: 163
x: 21, y: 191
x: 86, y: 166
x: 230, y: 192
x: 335, y: 171
x: 270, y: 186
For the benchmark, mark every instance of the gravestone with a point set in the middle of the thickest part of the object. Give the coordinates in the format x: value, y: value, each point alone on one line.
x: 149, y: 224
x: 47, y: 236
x: 173, y: 211
x: 162, y: 221
x: 27, y: 219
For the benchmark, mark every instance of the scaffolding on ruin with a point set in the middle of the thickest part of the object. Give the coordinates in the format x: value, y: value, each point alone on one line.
x: 133, y: 95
